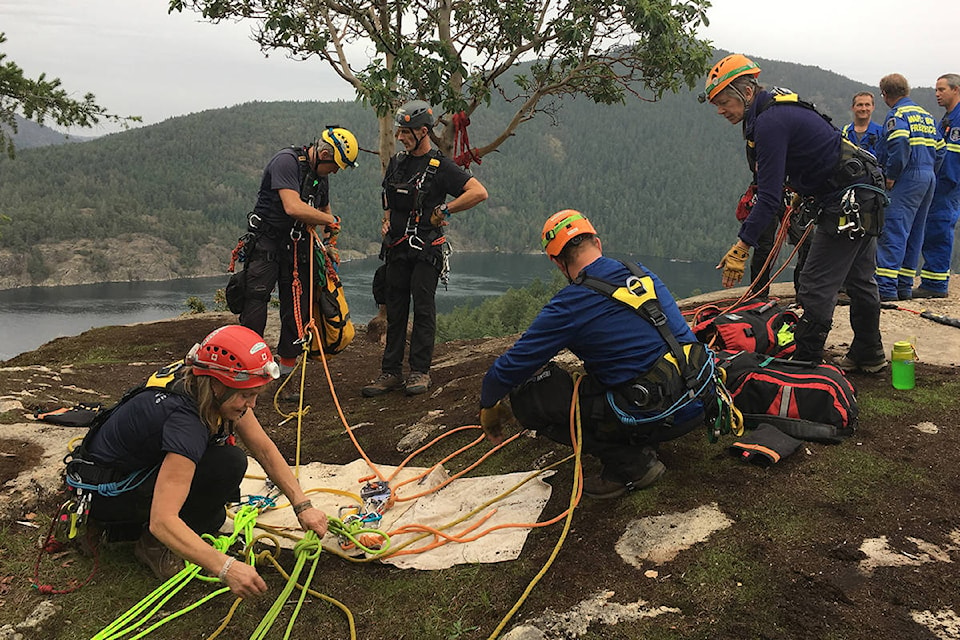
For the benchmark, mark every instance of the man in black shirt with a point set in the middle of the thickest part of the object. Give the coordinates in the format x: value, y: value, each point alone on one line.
x: 415, y: 187
x: 294, y: 193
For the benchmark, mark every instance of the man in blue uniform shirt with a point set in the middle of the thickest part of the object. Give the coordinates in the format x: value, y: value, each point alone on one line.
x: 910, y: 154
x: 793, y: 144
x: 945, y: 206
x: 618, y: 347
x: 863, y: 132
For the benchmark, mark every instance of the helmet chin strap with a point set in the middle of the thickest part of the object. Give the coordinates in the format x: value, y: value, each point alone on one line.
x: 227, y: 394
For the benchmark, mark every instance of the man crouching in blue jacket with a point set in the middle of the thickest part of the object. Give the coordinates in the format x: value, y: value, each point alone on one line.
x: 634, y: 395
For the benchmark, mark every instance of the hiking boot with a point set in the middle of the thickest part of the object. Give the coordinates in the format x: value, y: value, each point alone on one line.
x: 920, y: 292
x: 164, y: 563
x: 417, y: 383
x: 385, y: 383
x: 600, y: 488
x: 849, y: 365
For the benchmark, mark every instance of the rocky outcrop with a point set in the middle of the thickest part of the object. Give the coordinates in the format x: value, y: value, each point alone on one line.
x: 130, y: 257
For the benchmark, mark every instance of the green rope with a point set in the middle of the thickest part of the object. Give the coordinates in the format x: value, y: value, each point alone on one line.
x: 307, y: 548
x: 244, y: 522
x: 354, y: 530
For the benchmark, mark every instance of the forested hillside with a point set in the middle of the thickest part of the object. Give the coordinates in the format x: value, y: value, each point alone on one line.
x: 657, y: 178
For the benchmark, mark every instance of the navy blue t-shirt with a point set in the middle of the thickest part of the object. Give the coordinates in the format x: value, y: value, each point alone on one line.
x: 148, y: 426
x: 283, y: 172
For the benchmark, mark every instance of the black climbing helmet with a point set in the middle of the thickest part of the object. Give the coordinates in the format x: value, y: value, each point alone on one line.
x: 415, y: 114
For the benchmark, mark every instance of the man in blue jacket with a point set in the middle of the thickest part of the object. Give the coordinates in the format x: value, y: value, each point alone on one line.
x: 625, y: 409
x: 910, y: 154
x: 863, y: 132
x: 793, y: 144
x: 945, y: 206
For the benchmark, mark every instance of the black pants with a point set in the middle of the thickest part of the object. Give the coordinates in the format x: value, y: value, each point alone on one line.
x: 272, y: 265
x: 216, y: 483
x: 760, y: 277
x: 836, y: 261
x: 625, y: 451
x: 408, y: 276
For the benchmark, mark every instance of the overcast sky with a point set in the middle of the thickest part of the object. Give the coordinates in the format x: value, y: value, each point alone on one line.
x: 139, y: 60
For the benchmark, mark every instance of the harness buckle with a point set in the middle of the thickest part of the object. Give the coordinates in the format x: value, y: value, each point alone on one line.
x: 633, y: 283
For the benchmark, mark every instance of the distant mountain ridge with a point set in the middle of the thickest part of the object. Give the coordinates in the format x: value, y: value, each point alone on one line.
x: 31, y: 135
x: 657, y: 179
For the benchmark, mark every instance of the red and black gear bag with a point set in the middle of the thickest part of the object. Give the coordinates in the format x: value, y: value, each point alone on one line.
x: 761, y: 327
x: 805, y: 400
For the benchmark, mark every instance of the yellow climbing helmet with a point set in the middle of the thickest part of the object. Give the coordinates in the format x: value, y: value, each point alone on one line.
x: 561, y: 228
x: 345, y: 146
x: 725, y: 71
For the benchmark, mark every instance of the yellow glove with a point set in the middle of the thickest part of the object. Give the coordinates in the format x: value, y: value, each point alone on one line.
x: 733, y: 265
x: 492, y: 419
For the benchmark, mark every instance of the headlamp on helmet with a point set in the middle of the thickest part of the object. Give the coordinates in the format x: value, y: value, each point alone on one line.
x: 236, y: 356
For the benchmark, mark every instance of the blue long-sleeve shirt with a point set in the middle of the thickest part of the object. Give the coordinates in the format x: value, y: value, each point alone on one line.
x: 794, y: 145
x: 869, y: 140
x: 615, y: 344
x: 911, y: 140
x: 948, y: 178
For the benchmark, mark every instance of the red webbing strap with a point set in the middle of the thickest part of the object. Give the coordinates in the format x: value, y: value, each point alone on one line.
x: 463, y: 154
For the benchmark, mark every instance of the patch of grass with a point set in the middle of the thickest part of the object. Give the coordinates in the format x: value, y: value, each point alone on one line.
x: 722, y: 577
x: 855, y: 474
x: 781, y: 521
x: 11, y: 417
x: 120, y: 354
x: 897, y: 403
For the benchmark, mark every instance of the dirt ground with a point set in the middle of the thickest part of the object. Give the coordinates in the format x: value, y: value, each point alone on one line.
x: 856, y: 541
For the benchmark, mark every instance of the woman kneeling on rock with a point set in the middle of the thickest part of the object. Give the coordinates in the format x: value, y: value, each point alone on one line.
x: 180, y: 437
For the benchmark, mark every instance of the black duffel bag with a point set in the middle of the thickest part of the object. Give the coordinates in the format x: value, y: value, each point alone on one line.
x: 805, y: 400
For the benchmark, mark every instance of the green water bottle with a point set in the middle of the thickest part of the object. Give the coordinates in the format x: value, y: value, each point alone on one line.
x: 902, y: 365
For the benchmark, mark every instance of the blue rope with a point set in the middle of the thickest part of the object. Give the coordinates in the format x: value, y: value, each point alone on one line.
x: 113, y: 489
x: 628, y: 419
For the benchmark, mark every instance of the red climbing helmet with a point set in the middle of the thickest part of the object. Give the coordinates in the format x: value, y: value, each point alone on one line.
x: 236, y: 356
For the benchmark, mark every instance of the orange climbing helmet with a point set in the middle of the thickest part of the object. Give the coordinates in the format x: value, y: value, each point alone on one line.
x: 236, y: 356
x: 561, y: 228
x: 725, y: 71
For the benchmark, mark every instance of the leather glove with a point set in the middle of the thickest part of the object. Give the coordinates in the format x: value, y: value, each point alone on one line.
x: 439, y: 216
x: 733, y: 265
x: 492, y: 419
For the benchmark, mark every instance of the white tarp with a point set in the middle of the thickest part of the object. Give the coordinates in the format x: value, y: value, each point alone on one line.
x: 436, y: 509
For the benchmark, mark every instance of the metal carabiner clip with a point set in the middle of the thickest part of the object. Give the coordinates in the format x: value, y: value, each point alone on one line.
x: 415, y: 242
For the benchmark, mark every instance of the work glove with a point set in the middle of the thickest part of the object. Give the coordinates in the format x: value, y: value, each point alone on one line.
x: 439, y: 216
x: 492, y: 419
x: 733, y: 265
x: 332, y: 230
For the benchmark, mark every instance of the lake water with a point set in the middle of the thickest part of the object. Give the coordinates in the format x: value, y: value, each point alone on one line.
x: 32, y: 316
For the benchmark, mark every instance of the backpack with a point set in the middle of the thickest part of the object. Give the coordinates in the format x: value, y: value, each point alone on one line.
x: 80, y: 469
x: 761, y: 327
x: 331, y: 314
x: 804, y: 400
